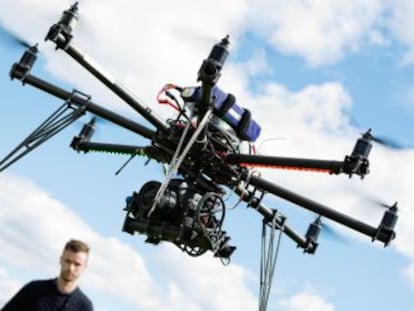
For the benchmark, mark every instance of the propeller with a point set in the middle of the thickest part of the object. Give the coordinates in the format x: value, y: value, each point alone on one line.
x: 388, y: 142
x: 12, y: 39
x: 330, y: 232
x: 375, y: 205
x: 380, y: 204
x: 383, y: 140
x: 97, y: 122
x: 325, y: 229
x: 86, y: 15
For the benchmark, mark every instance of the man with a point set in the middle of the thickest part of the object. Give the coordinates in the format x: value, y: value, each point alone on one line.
x: 58, y: 294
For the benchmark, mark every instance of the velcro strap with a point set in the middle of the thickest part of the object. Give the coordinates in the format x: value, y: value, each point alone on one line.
x: 227, y: 104
x: 244, y: 124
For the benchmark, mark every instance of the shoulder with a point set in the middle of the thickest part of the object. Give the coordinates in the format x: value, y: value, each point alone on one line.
x: 28, y: 295
x: 39, y: 284
x: 48, y: 284
x: 82, y: 300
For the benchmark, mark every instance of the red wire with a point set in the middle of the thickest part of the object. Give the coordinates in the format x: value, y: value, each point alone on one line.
x: 165, y: 101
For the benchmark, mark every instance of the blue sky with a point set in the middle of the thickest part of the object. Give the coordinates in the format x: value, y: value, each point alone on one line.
x: 315, y: 74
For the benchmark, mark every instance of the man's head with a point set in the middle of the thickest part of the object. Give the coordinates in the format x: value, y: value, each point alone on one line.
x: 73, y: 260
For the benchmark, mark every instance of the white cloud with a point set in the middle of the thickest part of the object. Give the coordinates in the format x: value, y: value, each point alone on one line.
x: 314, y: 123
x: 29, y: 218
x: 257, y: 64
x: 8, y: 286
x: 144, y: 45
x: 305, y: 118
x: 319, y: 31
x: 22, y: 200
x: 305, y: 301
x: 400, y: 22
x: 228, y: 282
x: 378, y: 38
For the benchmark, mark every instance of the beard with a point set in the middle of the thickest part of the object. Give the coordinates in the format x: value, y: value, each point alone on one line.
x: 67, y: 276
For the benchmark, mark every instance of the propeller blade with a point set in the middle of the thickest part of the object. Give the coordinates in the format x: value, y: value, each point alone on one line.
x: 384, y: 141
x: 388, y: 142
x: 13, y: 39
x: 326, y: 230
x: 380, y: 203
x: 330, y: 232
x: 98, y: 124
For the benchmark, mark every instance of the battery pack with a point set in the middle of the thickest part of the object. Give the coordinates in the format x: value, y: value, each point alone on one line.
x: 226, y: 108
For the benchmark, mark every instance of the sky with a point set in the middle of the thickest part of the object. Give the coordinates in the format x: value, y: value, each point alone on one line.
x: 315, y: 75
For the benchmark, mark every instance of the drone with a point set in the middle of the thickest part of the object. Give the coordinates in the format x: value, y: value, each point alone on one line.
x: 202, y: 150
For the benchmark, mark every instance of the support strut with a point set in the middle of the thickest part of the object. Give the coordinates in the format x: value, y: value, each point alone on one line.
x: 269, y: 253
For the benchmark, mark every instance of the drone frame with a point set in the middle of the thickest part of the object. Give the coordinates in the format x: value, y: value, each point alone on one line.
x: 207, y: 172
x: 162, y: 150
